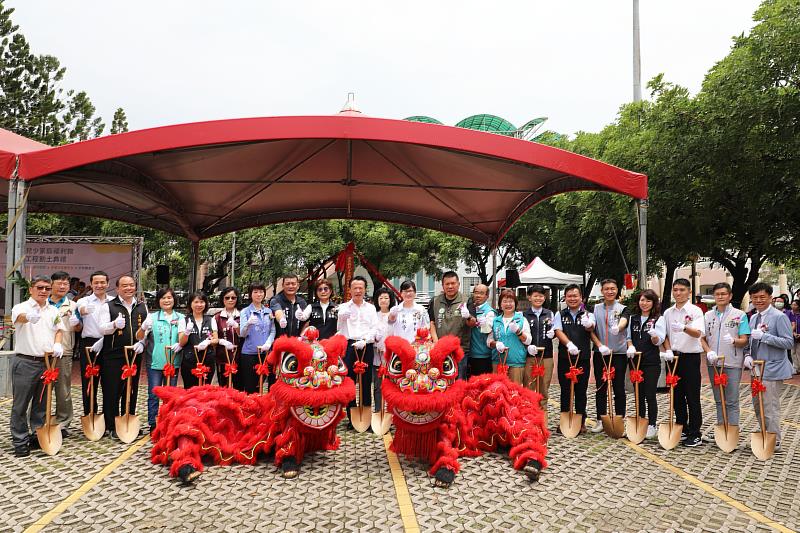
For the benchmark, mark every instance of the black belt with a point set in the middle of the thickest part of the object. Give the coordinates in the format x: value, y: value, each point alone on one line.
x: 686, y: 353
x: 31, y: 357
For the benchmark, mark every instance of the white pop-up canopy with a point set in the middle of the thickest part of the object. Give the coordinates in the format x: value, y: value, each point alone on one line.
x: 539, y: 272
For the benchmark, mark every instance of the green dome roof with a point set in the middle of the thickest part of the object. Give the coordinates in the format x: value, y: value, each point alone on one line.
x: 490, y: 123
x: 422, y: 118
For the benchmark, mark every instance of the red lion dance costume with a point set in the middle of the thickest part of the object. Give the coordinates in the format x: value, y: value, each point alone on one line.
x: 438, y: 418
x: 299, y: 415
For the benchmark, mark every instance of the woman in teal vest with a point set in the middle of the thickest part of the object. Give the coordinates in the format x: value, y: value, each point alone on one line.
x: 161, y: 328
x: 509, y: 339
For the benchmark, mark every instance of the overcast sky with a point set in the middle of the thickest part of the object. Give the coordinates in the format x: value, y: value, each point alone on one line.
x: 176, y: 61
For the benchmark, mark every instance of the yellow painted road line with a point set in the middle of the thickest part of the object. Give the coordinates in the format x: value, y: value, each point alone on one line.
x: 410, y: 524
x: 736, y: 504
x: 86, y: 487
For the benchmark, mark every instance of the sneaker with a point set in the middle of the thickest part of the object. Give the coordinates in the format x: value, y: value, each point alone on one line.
x: 692, y: 442
x: 652, y: 432
x: 22, y: 451
x: 778, y: 447
x: 597, y: 427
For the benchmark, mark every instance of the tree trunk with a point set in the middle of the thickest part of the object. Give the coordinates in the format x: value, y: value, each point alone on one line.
x: 669, y: 276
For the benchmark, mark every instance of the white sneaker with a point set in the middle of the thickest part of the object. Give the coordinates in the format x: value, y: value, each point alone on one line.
x: 597, y: 427
x: 652, y: 432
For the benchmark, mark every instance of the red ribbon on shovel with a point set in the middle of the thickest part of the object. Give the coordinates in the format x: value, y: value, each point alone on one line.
x: 573, y: 373
x: 169, y: 371
x: 637, y: 376
x: 721, y: 379
x: 756, y: 386
x: 230, y: 369
x: 128, y: 371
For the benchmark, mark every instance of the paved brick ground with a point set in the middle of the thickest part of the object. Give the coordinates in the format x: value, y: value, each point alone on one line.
x: 593, y: 484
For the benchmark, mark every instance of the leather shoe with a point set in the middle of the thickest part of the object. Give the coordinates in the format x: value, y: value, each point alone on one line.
x: 22, y: 451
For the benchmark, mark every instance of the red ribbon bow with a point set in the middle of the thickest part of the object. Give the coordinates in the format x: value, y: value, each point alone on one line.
x: 91, y: 371
x: 720, y: 379
x: 672, y: 379
x: 637, y: 376
x: 422, y: 333
x: 609, y: 374
x: 756, y: 386
x: 311, y: 333
x: 169, y: 371
x: 200, y: 371
x: 573, y: 373
x: 359, y: 367
x: 230, y: 369
x: 502, y: 369
x: 128, y: 371
x: 537, y: 371
x: 382, y: 372
x: 49, y: 376
x: 262, y: 369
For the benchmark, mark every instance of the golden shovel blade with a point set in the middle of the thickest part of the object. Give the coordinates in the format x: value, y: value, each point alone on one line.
x: 763, y: 444
x: 94, y: 426
x: 613, y: 425
x: 570, y: 424
x: 361, y: 418
x: 49, y: 437
x: 727, y: 440
x: 669, y: 435
x: 635, y: 429
x: 127, y: 427
x: 381, y: 422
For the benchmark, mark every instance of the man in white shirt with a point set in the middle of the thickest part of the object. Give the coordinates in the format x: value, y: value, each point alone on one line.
x: 88, y: 306
x: 358, y: 321
x: 685, y: 326
x: 37, y: 331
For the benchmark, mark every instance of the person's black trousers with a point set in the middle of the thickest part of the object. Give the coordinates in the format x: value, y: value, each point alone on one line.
x: 114, y: 388
x: 580, y: 387
x: 647, y: 393
x: 619, y: 362
x: 366, y: 355
x: 189, y: 379
x: 687, y: 394
x: 480, y: 365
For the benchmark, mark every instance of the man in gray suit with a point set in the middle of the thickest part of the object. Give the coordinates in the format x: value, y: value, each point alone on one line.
x: 770, y: 338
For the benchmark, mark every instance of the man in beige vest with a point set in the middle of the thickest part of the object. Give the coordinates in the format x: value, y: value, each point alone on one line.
x: 449, y: 316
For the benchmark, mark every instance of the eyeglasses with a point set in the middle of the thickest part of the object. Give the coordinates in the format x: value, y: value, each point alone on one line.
x: 323, y: 289
x: 230, y: 297
x: 43, y: 288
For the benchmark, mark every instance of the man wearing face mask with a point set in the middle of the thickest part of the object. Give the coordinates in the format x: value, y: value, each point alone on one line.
x: 120, y: 318
x: 290, y: 310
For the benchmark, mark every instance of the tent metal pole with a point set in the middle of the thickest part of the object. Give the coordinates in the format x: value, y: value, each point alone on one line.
x: 233, y: 262
x: 642, y: 206
x: 15, y: 241
x: 194, y: 263
x: 494, y: 275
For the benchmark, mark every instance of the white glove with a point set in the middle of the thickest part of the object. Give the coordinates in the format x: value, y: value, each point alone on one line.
x: 266, y: 346
x: 587, y: 321
x: 551, y: 333
x: 757, y: 334
x: 226, y: 344
x: 252, y: 321
x: 87, y: 309
x: 533, y: 350
x: 676, y: 327
x: 231, y: 323
x: 138, y: 347
x: 604, y: 350
x: 33, y: 315
x: 500, y: 347
x: 282, y: 322
x: 176, y: 347
x: 394, y: 311
x: 58, y: 350
x: 631, y: 351
x: 344, y: 311
x: 572, y: 349
x: 727, y: 339
x: 652, y: 331
x: 615, y: 329
x: 147, y: 325
x: 305, y: 314
x: 187, y: 329
x: 74, y: 320
x: 748, y: 362
x: 712, y: 357
x: 97, y: 347
x: 464, y: 311
x: 513, y: 327
x: 667, y: 356
x: 203, y: 345
x: 119, y: 322
x: 360, y: 344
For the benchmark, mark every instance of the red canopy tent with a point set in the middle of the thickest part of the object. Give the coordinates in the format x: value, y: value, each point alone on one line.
x: 209, y: 178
